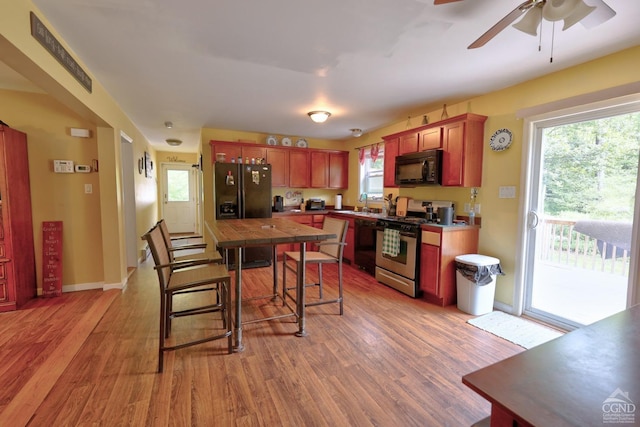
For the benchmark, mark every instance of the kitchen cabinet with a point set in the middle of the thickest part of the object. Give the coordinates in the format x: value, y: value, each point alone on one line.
x: 279, y: 161
x: 440, y: 246
x: 348, y: 254
x: 461, y: 140
x: 292, y: 167
x: 234, y: 150
x: 408, y: 143
x: 17, y: 257
x: 299, y: 176
x: 329, y: 169
x: 339, y: 170
x: 319, y: 169
x: 431, y: 139
x: 230, y: 150
x: 462, y: 143
x: 390, y: 154
x: 312, y: 220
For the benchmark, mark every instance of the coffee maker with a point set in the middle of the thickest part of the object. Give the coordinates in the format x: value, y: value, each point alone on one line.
x: 278, y: 204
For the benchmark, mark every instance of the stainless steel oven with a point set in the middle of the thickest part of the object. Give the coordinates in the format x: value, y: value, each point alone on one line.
x: 400, y: 272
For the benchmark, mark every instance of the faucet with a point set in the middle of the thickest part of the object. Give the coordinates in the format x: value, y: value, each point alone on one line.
x: 365, y: 199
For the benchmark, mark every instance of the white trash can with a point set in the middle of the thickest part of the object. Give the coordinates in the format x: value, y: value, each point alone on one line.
x: 476, y: 282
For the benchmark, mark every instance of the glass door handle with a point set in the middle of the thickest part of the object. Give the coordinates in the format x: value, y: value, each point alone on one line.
x: 534, y: 220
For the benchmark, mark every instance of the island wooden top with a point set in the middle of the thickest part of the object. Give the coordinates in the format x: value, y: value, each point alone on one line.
x: 233, y: 233
x: 567, y: 381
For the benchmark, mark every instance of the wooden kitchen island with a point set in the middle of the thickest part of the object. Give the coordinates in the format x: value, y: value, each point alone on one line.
x: 237, y: 234
x: 588, y: 377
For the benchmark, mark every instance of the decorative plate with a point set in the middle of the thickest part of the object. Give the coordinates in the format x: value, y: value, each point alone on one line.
x: 272, y: 140
x: 286, y: 141
x: 501, y: 140
x: 302, y: 143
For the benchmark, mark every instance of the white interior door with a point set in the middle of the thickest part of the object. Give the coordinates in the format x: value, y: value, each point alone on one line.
x: 581, y: 209
x: 179, y: 197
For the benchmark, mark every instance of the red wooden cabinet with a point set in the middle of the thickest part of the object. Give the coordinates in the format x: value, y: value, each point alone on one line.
x: 431, y: 139
x: 339, y: 170
x: 390, y: 154
x: 319, y: 168
x: 291, y: 167
x: 17, y: 258
x: 299, y: 176
x: 408, y: 143
x: 279, y: 161
x: 462, y: 142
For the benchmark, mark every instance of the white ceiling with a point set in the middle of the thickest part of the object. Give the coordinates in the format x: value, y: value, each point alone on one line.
x: 260, y: 66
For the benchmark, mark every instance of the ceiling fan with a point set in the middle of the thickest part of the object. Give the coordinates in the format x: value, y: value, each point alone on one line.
x: 571, y: 11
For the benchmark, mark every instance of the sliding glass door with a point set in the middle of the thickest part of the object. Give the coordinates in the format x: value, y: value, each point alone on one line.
x: 581, y: 209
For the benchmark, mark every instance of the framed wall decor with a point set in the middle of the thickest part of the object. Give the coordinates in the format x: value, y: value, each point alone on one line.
x: 148, y: 165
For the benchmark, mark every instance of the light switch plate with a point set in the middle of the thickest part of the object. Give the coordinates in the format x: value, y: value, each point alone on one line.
x: 88, y: 189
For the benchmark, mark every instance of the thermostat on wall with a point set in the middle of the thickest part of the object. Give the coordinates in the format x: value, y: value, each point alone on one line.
x: 63, y: 166
x: 83, y: 168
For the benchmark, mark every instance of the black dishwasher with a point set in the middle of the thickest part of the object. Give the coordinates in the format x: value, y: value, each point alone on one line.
x: 365, y: 245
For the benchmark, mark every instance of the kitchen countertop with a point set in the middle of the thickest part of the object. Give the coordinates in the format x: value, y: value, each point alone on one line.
x: 368, y: 215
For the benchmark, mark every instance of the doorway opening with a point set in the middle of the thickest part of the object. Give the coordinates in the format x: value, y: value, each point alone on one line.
x: 180, y: 197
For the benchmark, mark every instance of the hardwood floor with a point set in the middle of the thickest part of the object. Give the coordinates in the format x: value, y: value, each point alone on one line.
x: 90, y: 358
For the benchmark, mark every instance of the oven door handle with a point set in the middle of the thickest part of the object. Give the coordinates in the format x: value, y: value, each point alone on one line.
x: 402, y: 233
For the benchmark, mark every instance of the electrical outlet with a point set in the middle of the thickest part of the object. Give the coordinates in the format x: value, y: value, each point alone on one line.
x: 477, y: 208
x: 467, y: 207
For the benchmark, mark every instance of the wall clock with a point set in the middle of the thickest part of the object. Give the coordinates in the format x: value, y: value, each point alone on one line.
x: 501, y: 140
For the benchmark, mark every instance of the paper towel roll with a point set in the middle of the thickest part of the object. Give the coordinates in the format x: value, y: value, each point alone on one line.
x: 338, y: 204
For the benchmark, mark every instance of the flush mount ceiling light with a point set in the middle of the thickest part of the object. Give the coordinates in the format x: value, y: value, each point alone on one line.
x: 174, y: 142
x: 356, y: 133
x: 168, y: 124
x: 319, y: 116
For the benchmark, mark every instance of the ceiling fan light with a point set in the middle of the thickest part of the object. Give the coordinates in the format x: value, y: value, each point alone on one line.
x: 579, y: 13
x: 556, y: 10
x: 319, y: 116
x: 530, y: 21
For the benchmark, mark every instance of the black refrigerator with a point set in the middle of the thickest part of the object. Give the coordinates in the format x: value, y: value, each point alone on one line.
x: 243, y: 191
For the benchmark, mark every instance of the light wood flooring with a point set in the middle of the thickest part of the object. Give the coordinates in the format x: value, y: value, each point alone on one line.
x: 90, y: 358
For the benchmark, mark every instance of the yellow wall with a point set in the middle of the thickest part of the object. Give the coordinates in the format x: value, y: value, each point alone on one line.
x: 499, y: 232
x: 104, y: 225
x: 47, y: 124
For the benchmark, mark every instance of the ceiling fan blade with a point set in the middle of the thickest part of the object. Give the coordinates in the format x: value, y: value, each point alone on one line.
x: 503, y: 23
x: 602, y: 14
x: 436, y: 2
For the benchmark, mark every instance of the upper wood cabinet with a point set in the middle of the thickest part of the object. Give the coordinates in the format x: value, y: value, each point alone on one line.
x: 319, y: 169
x: 17, y: 257
x: 390, y: 154
x: 299, y: 175
x: 290, y: 166
x: 279, y: 161
x: 431, y: 139
x: 339, y: 170
x: 408, y: 143
x: 461, y: 140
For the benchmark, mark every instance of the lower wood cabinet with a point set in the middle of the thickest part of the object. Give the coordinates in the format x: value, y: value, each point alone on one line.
x: 440, y: 247
x: 312, y: 220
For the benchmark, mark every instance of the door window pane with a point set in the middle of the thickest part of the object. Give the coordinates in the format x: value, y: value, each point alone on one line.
x: 178, y: 186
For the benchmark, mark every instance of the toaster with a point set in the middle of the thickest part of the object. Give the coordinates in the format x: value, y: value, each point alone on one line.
x: 315, y: 204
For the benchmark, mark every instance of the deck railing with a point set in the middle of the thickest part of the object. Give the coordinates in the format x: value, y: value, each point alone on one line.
x: 561, y: 244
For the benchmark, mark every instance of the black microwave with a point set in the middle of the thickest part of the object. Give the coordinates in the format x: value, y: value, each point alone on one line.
x: 422, y: 168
